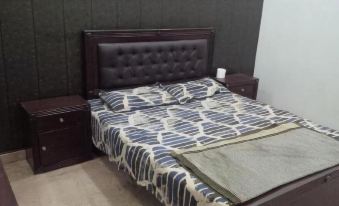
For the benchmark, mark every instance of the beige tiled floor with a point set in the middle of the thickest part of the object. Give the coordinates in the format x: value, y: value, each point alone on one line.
x: 93, y: 183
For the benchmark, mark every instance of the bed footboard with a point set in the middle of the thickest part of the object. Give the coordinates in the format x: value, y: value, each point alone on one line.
x: 317, y: 189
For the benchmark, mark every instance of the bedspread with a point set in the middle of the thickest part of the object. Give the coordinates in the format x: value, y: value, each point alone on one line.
x: 141, y: 141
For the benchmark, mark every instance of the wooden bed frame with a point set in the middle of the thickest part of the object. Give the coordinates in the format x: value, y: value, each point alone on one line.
x: 319, y: 189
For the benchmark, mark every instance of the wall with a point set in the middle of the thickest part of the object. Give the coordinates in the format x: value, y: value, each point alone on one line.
x: 298, y: 57
x: 40, y: 42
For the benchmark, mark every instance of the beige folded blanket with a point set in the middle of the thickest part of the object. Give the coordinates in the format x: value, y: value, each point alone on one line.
x: 248, y: 166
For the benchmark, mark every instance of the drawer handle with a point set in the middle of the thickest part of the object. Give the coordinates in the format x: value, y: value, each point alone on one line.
x: 43, y: 148
x: 61, y: 120
x: 242, y: 90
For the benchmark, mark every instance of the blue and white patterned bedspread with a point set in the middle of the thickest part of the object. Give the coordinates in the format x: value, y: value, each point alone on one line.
x: 141, y: 141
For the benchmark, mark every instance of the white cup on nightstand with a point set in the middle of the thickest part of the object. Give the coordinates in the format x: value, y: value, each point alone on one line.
x: 221, y: 73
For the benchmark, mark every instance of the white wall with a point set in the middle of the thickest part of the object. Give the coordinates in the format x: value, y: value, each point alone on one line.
x: 298, y: 58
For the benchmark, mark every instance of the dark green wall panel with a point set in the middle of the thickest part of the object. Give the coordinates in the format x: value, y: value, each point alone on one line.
x: 104, y: 14
x: 19, y: 51
x: 41, y: 43
x: 224, y: 52
x: 188, y: 13
x: 129, y: 14
x: 207, y: 13
x: 77, y: 19
x: 150, y: 13
x: 4, y: 118
x: 51, y: 47
x: 170, y: 11
x: 244, y: 35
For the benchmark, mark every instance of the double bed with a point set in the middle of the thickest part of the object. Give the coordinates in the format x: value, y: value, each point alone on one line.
x: 141, y: 141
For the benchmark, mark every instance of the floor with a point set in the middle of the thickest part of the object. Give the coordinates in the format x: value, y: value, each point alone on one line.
x: 93, y: 183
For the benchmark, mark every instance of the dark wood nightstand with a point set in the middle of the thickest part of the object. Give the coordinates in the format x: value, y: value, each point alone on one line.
x: 242, y: 84
x: 58, y: 132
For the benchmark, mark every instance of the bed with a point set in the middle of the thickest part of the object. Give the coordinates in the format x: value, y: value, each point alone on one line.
x: 132, y: 58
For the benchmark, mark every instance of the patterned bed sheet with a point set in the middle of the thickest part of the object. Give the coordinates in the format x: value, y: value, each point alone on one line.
x: 141, y: 141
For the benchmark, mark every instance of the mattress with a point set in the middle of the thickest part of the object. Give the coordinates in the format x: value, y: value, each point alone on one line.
x: 141, y: 141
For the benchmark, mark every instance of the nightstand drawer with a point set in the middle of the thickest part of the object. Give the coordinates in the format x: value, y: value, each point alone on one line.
x: 60, y: 145
x: 241, y: 84
x: 59, y: 121
x: 58, y: 132
x: 245, y: 90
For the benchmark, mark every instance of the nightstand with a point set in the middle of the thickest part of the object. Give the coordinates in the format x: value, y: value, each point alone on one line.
x: 58, y: 132
x: 242, y: 84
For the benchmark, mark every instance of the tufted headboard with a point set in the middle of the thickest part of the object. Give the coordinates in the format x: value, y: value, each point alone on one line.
x: 128, y: 58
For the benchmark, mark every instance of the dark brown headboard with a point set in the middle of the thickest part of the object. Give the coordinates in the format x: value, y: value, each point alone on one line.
x: 126, y: 58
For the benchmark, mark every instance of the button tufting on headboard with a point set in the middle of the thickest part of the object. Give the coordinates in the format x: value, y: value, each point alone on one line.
x: 149, y: 58
x: 128, y: 58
